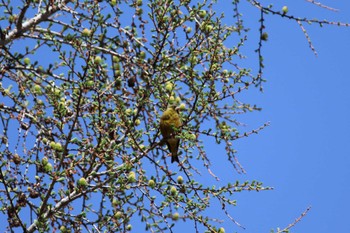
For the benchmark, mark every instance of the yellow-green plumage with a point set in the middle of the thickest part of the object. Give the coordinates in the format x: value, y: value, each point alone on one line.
x: 170, y: 122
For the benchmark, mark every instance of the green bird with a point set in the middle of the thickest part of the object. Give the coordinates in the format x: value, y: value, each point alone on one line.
x: 170, y: 123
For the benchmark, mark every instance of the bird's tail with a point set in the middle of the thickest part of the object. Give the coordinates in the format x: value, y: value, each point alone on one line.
x: 174, y: 158
x: 173, y: 146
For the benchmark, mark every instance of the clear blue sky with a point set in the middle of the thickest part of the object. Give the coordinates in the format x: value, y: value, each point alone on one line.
x: 304, y: 154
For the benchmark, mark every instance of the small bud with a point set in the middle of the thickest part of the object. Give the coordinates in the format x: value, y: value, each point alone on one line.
x: 132, y: 177
x: 44, y: 161
x: 208, y: 28
x: 128, y: 112
x: 12, y: 18
x: 180, y: 179
x: 86, y: 32
x: 137, y: 122
x: 151, y: 183
x: 37, y: 89
x: 118, y: 215
x: 57, y: 92
x: 113, y: 2
x: 82, y: 182
x: 139, y: 2
x: 202, y: 13
x: 142, y: 55
x: 192, y: 136
x: 58, y: 147
x: 26, y: 61
x: 128, y: 227
x: 97, y: 60
x: 264, y: 36
x: 173, y: 191
x: 182, y: 107
x: 171, y: 99
x: 89, y: 83
x: 175, y: 216
x: 16, y: 159
x: 284, y: 10
x: 63, y: 229
x: 169, y: 86
x: 115, y: 203
x: 221, y: 230
x: 48, y: 167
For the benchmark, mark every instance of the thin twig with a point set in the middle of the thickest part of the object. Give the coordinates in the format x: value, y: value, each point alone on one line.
x: 296, y: 220
x: 323, y: 6
x: 307, y: 38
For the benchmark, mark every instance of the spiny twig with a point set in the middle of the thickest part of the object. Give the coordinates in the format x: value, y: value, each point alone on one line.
x: 323, y: 6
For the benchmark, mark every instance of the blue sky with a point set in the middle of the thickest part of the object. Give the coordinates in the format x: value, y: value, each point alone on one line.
x: 304, y: 154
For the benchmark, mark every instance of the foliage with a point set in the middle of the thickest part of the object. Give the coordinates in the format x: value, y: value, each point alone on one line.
x: 83, y: 85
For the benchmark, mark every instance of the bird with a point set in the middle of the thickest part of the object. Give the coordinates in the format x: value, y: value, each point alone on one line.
x: 170, y: 123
